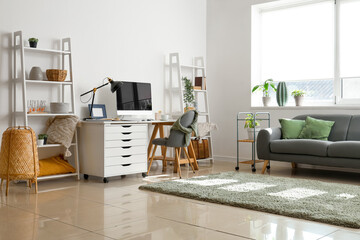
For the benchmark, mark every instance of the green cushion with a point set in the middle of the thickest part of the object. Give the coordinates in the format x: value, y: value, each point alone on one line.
x: 290, y: 128
x: 316, y: 129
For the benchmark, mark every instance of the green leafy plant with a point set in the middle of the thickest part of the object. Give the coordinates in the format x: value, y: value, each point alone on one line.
x: 189, y: 97
x: 42, y: 136
x: 265, y: 87
x: 298, y: 93
x: 249, y: 121
x: 33, y: 40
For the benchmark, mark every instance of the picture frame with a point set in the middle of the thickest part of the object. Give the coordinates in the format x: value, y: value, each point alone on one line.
x: 98, y: 112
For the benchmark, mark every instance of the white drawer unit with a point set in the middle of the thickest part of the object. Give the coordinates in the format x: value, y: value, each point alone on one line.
x: 109, y: 149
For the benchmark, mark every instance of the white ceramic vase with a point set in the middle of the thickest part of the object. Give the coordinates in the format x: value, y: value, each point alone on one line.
x: 266, y: 101
x: 250, y: 132
x: 299, y: 100
x: 36, y: 74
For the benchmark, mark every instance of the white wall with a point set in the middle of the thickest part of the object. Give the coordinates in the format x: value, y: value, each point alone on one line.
x: 229, y: 73
x: 124, y: 39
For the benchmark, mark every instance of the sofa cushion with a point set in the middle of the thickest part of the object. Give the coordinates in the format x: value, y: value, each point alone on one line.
x: 300, y: 146
x: 316, y: 129
x: 291, y: 128
x: 354, y: 129
x: 344, y: 149
x: 340, y: 128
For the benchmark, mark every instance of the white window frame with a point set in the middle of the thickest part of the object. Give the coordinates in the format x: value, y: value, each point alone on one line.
x: 256, y: 50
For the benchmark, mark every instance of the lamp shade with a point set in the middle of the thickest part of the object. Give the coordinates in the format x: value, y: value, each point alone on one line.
x: 115, y: 85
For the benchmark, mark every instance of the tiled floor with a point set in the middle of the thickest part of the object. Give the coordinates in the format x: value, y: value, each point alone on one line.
x: 91, y: 210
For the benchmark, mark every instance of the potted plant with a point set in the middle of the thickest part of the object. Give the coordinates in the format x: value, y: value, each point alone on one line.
x: 42, y: 137
x: 189, y: 98
x: 265, y: 87
x: 33, y: 42
x: 298, y: 96
x: 251, y: 125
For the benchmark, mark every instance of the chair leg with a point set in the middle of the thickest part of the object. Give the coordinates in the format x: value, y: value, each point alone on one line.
x: 164, y: 160
x: 177, y: 160
x: 7, y: 187
x: 293, y: 165
x: 188, y: 157
x: 36, y: 186
x: 266, y: 162
x: 29, y: 182
x: 151, y: 159
x: 1, y: 183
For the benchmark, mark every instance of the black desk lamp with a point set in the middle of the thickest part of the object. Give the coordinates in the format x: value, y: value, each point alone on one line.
x: 115, y: 85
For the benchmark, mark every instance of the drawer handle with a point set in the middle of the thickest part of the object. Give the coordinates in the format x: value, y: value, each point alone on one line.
x: 126, y: 133
x: 126, y: 126
x: 126, y: 140
x: 126, y: 156
x: 126, y: 165
x: 126, y: 147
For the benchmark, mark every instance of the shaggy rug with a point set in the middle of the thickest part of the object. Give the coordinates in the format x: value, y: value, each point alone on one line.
x: 331, y: 203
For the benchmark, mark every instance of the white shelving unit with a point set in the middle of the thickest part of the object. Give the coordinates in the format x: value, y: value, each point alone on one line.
x: 197, y: 69
x: 20, y: 81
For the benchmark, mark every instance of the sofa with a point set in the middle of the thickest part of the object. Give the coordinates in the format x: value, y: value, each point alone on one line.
x: 341, y: 150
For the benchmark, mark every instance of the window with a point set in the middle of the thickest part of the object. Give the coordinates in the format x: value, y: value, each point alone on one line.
x: 312, y: 45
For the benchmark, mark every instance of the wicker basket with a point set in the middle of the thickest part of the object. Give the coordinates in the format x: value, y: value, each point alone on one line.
x: 19, y: 157
x: 56, y: 75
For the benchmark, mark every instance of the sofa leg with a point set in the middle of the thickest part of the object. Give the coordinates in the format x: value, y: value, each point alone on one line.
x: 293, y: 165
x: 266, y: 162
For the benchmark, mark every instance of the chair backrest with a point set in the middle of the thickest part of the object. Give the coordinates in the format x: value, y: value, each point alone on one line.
x: 177, y: 138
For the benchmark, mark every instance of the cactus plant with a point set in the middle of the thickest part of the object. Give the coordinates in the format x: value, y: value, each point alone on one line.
x: 281, y: 94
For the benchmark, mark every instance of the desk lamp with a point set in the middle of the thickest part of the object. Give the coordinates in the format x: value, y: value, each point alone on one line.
x: 115, y: 85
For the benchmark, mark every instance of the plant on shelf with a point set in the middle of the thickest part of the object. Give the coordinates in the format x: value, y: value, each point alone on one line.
x: 298, y: 96
x: 189, y: 98
x: 265, y: 87
x: 251, y: 125
x: 33, y: 42
x: 43, y: 136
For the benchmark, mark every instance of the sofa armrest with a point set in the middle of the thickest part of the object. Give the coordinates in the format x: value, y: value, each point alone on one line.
x: 264, y: 138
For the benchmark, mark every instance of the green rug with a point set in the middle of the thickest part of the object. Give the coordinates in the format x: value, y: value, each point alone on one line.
x: 331, y: 203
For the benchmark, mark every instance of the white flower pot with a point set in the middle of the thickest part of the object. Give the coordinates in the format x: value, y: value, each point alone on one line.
x: 40, y: 142
x: 266, y: 101
x: 250, y: 132
x: 299, y: 100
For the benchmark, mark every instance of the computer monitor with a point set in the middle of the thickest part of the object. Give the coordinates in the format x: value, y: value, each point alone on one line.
x: 134, y: 98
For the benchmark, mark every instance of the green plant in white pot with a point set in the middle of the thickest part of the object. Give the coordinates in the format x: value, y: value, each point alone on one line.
x: 251, y: 126
x: 265, y: 87
x: 298, y: 96
x: 189, y: 98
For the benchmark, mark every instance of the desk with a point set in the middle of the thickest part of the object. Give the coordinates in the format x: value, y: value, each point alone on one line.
x: 159, y: 127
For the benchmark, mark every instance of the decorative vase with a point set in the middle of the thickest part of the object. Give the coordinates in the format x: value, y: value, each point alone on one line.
x: 250, y: 132
x: 40, y: 142
x: 299, y: 100
x: 36, y: 73
x: 266, y: 101
x: 33, y: 44
x: 281, y: 94
x: 188, y: 109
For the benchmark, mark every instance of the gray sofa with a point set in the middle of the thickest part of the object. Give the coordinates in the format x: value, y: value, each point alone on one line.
x: 342, y: 149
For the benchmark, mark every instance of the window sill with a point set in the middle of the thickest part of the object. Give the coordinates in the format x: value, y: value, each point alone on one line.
x: 329, y: 107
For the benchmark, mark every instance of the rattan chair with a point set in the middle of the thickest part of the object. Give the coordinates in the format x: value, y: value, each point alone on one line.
x: 19, y: 156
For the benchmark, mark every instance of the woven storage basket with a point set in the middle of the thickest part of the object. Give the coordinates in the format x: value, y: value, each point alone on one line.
x: 56, y: 75
x: 19, y: 157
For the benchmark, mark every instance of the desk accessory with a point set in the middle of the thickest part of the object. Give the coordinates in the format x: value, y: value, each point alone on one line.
x: 115, y: 85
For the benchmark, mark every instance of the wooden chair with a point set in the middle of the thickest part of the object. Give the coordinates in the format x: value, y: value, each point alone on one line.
x: 176, y: 140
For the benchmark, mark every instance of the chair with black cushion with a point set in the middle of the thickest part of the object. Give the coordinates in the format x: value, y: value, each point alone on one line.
x: 176, y: 140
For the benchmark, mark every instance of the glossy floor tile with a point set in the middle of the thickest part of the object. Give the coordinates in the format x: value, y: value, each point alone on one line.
x: 89, y: 209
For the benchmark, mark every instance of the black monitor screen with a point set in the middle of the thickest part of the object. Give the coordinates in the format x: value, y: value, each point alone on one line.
x: 134, y: 96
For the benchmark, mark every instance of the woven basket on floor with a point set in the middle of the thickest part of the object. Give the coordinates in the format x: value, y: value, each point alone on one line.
x: 56, y: 75
x: 19, y: 156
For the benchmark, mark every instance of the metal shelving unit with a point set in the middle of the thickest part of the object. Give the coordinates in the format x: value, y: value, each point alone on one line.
x: 241, y: 118
x: 19, y: 78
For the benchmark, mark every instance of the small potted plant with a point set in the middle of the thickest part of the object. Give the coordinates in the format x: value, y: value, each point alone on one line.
x: 189, y: 98
x: 265, y: 87
x: 298, y: 96
x: 33, y: 42
x: 42, y: 138
x: 251, y: 125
